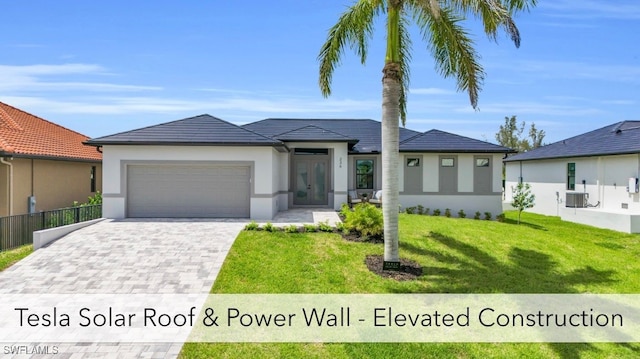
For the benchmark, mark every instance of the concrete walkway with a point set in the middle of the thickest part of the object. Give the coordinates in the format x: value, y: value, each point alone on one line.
x: 122, y: 257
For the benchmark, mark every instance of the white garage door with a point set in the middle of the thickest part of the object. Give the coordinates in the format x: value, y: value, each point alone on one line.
x: 188, y: 191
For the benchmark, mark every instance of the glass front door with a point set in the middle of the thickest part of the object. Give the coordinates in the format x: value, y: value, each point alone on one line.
x: 310, y: 181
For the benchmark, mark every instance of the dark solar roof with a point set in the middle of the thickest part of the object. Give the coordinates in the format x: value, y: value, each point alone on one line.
x: 198, y: 130
x: 618, y: 138
x: 364, y: 135
x: 313, y: 133
x: 367, y: 132
x: 440, y: 141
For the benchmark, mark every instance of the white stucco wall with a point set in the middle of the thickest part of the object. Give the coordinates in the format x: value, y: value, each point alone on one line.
x: 283, y: 181
x: 606, y: 181
x: 264, y: 200
x: 466, y: 166
x: 430, y: 178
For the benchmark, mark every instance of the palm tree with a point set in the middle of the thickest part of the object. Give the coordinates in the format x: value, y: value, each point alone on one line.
x: 439, y: 22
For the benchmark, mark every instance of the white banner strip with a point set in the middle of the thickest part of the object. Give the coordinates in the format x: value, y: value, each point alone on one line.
x: 172, y: 318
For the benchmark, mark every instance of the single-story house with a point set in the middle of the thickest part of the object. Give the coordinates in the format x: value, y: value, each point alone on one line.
x: 206, y: 167
x: 591, y: 178
x: 43, y: 166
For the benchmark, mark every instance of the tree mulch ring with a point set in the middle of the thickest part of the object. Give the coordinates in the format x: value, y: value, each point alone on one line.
x: 409, y: 270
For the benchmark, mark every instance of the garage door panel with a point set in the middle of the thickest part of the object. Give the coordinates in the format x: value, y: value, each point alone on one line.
x: 188, y: 191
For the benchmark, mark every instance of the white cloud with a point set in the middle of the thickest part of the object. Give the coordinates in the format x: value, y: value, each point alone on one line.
x: 30, y: 78
x: 430, y: 91
x: 239, y: 106
x: 537, y: 108
x: 590, y: 9
x: 576, y: 70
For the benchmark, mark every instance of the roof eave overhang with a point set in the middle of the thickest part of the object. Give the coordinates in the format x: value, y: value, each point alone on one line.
x: 163, y: 143
x: 456, y: 151
x: 510, y: 159
x: 46, y: 157
x: 349, y: 141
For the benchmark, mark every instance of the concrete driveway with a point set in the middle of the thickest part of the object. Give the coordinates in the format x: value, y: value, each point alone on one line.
x: 122, y: 257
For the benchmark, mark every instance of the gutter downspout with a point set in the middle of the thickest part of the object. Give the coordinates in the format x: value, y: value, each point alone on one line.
x: 10, y: 194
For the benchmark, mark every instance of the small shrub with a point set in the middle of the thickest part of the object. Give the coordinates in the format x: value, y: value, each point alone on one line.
x: 426, y: 211
x: 461, y: 214
x: 447, y: 213
x: 325, y: 227
x: 436, y: 212
x: 291, y: 229
x: 410, y: 210
x: 477, y: 215
x: 310, y: 228
x: 344, y: 210
x: 366, y: 220
x: 340, y: 227
x: 487, y: 216
x: 500, y: 217
x: 269, y: 227
x: 252, y: 226
x: 420, y: 209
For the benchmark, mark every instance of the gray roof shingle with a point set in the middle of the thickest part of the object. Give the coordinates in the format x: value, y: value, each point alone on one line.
x: 199, y: 130
x: 440, y: 141
x: 618, y: 138
x: 313, y: 133
x: 367, y: 132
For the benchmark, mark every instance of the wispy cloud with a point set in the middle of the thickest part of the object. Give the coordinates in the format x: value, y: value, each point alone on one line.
x: 619, y: 102
x: 430, y: 91
x: 592, y: 9
x: 31, y: 78
x: 64, y: 69
x: 538, y: 108
x: 576, y: 70
x: 240, y: 106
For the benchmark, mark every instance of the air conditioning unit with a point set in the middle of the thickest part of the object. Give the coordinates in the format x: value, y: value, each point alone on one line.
x: 576, y: 200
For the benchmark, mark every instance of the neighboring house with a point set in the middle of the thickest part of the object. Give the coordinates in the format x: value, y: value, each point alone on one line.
x: 590, y: 178
x: 43, y: 166
x: 206, y: 167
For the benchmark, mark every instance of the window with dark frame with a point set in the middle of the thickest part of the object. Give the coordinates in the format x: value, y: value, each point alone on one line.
x: 447, y: 162
x: 364, y: 174
x: 482, y: 162
x: 93, y: 178
x: 413, y: 162
x: 571, y: 176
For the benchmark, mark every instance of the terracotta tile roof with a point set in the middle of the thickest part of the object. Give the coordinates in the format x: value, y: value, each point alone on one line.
x: 25, y: 135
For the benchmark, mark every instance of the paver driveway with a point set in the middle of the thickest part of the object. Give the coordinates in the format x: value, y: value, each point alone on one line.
x: 122, y: 257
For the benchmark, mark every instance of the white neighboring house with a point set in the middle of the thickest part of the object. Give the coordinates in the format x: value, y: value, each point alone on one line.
x: 206, y: 167
x: 590, y: 178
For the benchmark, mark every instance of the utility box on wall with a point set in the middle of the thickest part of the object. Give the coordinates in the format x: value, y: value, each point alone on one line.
x: 32, y: 204
x: 633, y: 185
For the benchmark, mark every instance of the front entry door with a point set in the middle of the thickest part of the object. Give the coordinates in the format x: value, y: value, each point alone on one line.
x: 310, y: 181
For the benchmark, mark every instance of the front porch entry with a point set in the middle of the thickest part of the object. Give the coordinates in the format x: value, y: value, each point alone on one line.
x: 311, y: 177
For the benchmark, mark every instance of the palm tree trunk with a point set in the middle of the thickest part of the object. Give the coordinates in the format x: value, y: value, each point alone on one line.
x: 390, y: 157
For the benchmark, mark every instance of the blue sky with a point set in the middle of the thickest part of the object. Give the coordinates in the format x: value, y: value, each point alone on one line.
x: 106, y: 67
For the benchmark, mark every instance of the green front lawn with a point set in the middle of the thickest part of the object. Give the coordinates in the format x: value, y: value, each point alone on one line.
x: 542, y: 255
x: 8, y: 258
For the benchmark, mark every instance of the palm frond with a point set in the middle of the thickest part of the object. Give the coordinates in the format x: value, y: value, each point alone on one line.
x: 405, y: 58
x: 519, y: 5
x: 354, y: 28
x: 452, y: 48
x: 495, y: 14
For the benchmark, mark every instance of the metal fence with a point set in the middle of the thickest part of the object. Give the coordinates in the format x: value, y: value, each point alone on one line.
x: 16, y: 231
